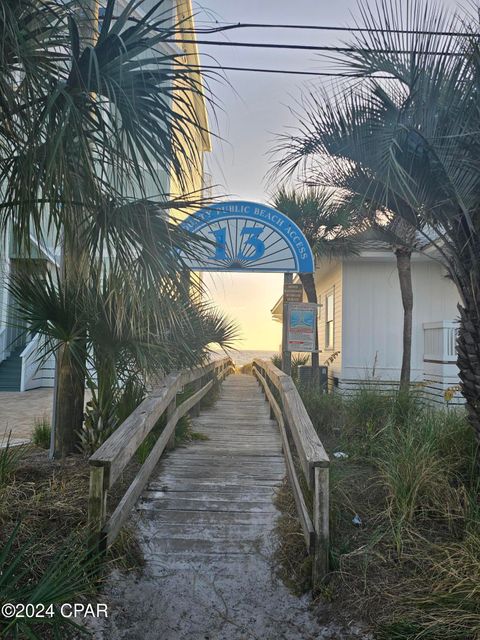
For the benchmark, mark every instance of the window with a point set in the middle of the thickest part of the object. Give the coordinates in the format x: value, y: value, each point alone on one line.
x: 329, y: 320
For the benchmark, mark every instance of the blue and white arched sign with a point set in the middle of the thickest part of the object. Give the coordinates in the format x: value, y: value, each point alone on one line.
x: 247, y: 236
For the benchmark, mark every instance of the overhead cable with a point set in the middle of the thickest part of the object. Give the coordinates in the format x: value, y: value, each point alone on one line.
x: 307, y: 47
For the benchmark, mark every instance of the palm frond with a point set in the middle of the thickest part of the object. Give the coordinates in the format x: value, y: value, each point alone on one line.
x: 328, y: 217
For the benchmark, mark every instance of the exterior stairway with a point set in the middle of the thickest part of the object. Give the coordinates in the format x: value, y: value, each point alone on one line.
x: 11, y: 371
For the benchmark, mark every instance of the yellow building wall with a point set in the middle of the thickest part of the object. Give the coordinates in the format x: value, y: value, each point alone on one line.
x: 196, y: 141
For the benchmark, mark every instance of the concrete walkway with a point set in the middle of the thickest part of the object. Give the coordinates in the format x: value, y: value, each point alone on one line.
x: 18, y: 411
x: 207, y: 524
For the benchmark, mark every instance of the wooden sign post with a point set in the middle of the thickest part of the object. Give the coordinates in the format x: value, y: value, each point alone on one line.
x: 293, y: 292
x: 286, y: 355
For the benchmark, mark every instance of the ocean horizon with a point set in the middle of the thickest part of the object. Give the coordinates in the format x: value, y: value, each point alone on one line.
x: 245, y: 356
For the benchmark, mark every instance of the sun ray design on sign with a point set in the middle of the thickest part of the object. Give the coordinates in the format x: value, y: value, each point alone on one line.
x: 247, y: 236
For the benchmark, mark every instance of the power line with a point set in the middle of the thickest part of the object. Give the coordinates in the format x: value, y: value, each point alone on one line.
x: 226, y: 26
x: 306, y: 47
x: 328, y: 74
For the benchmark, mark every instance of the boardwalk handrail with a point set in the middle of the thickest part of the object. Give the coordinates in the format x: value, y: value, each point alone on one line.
x: 288, y: 408
x: 111, y: 458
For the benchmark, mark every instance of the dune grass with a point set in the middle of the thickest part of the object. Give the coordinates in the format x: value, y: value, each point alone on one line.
x: 41, y: 433
x: 10, y: 458
x: 412, y: 567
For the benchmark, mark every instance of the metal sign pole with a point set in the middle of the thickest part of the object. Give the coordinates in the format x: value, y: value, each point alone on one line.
x: 286, y: 355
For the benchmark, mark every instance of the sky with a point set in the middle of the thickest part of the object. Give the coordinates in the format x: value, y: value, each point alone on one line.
x: 251, y: 110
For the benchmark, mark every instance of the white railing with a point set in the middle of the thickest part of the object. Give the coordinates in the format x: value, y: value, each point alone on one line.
x: 37, y: 370
x: 440, y: 341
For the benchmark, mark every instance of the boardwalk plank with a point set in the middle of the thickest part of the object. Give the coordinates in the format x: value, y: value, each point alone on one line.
x: 207, y: 519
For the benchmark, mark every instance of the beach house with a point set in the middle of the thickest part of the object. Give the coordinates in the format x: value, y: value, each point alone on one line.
x: 21, y: 364
x: 360, y: 322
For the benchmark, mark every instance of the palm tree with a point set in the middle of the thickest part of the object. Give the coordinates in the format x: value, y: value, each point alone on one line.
x: 327, y: 223
x: 403, y: 242
x: 86, y: 129
x: 129, y: 339
x: 335, y: 129
x: 422, y: 160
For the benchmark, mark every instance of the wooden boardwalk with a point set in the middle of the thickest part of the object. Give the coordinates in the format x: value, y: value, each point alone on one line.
x: 207, y: 521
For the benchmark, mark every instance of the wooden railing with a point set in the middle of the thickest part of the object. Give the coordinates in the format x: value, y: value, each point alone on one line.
x: 108, y: 462
x: 295, y: 426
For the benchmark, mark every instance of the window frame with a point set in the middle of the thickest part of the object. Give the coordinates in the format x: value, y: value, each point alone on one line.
x: 330, y: 324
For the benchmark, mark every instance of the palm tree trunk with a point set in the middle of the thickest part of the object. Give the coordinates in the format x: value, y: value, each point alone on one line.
x: 69, y: 403
x: 468, y: 349
x: 69, y: 393
x: 308, y: 282
x: 69, y: 396
x: 404, y: 268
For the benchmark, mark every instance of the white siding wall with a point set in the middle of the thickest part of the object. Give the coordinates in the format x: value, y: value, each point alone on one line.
x: 373, y: 316
x: 329, y: 278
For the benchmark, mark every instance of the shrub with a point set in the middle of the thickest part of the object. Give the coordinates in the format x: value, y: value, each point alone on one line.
x: 450, y: 609
x: 69, y: 576
x: 292, y: 562
x: 277, y: 360
x: 10, y: 458
x: 368, y: 410
x: 406, y: 406
x: 41, y: 433
x: 298, y: 360
x: 327, y: 411
x: 415, y: 477
x: 454, y: 440
x: 108, y: 407
x: 413, y: 565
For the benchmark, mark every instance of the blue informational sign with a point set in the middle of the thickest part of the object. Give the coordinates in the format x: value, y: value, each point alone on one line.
x: 247, y: 236
x: 301, y: 326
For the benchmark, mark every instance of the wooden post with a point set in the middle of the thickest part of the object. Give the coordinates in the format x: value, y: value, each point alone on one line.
x: 168, y: 414
x: 270, y: 386
x: 97, y: 508
x: 321, y: 524
x: 286, y: 355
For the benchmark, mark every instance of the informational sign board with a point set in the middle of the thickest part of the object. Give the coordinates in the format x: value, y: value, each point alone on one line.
x: 301, y: 326
x: 292, y: 292
x: 246, y: 236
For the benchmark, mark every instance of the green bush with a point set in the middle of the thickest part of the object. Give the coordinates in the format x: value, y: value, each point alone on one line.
x: 41, y: 433
x: 423, y: 464
x: 368, y: 410
x: 415, y: 477
x: 450, y: 609
x: 298, y: 360
x: 10, y: 458
x: 109, y: 406
x: 328, y: 412
x: 455, y: 441
x: 71, y: 575
x: 412, y: 476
